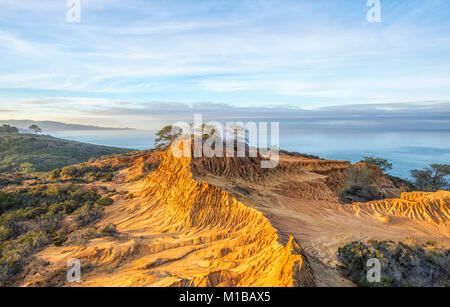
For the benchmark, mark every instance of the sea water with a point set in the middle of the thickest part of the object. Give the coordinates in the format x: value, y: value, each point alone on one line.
x: 406, y: 150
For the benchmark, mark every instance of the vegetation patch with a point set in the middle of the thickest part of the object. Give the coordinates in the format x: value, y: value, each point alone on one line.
x: 10, y: 179
x: 41, y: 153
x: 109, y: 230
x: 383, y: 164
x: 83, y: 235
x: 106, y: 201
x: 85, y: 173
x: 32, y: 218
x: 8, y: 129
x: 359, y: 186
x: 433, y: 178
x: 298, y: 154
x: 402, y: 265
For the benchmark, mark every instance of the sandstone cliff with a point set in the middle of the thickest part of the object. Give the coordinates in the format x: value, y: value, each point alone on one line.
x: 227, y: 222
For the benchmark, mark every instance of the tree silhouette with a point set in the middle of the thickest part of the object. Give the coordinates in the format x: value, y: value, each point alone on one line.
x: 8, y: 129
x: 35, y: 128
x: 433, y: 178
x: 380, y: 162
x: 165, y: 136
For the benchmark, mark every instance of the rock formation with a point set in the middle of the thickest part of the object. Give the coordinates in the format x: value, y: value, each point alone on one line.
x: 227, y: 222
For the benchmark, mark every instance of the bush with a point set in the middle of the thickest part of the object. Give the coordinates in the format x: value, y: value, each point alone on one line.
x: 69, y: 171
x: 59, y: 238
x: 55, y: 174
x: 298, y: 154
x: 88, y: 173
x: 106, y: 201
x: 10, y: 179
x: 9, y: 129
x: 88, y: 213
x: 83, y: 235
x: 359, y: 185
x: 108, y: 177
x: 25, y: 168
x: 109, y: 230
x: 402, y: 265
x: 383, y: 164
x: 360, y: 194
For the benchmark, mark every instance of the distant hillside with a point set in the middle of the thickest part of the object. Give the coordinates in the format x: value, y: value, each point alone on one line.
x: 54, y: 126
x: 45, y: 153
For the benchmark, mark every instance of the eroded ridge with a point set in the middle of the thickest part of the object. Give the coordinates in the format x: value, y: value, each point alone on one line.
x: 432, y: 207
x: 246, y: 246
x: 178, y: 231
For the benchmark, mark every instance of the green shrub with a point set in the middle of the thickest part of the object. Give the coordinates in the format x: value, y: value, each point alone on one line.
x: 59, y: 238
x: 106, y: 201
x: 9, y: 129
x: 88, y: 173
x: 83, y: 235
x: 109, y: 230
x: 108, y: 177
x: 70, y: 171
x: 298, y: 154
x: 383, y: 164
x: 402, y: 265
x: 359, y: 185
x: 31, y: 219
x: 88, y: 213
x: 10, y: 179
x: 55, y: 174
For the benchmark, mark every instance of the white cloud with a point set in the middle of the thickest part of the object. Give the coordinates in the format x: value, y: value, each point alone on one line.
x: 283, y: 50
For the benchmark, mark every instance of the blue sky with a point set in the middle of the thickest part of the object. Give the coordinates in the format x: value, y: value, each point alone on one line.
x: 138, y: 54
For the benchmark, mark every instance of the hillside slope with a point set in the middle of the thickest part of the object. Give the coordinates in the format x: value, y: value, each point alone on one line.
x: 55, y: 126
x: 181, y: 232
x: 227, y: 222
x: 46, y: 153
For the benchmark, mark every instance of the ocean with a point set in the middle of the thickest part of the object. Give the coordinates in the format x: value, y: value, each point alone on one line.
x: 406, y: 150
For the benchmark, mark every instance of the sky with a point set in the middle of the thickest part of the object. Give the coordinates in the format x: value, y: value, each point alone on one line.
x: 128, y: 62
